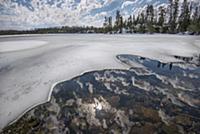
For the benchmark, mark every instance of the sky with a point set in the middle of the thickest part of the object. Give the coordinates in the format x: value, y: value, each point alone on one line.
x: 30, y: 14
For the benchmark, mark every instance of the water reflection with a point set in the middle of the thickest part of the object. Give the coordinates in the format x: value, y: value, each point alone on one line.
x: 192, y: 60
x: 156, y: 98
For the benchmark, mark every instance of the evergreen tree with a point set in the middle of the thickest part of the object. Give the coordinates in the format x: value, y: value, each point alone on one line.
x: 134, y: 23
x: 121, y: 24
x: 106, y: 25
x: 150, y: 18
x: 118, y: 24
x: 170, y: 12
x: 141, y: 21
x: 161, y: 18
x: 175, y: 16
x: 110, y: 24
x: 173, y: 12
x: 130, y: 23
x: 184, y: 19
x: 125, y: 24
x: 194, y: 26
x: 150, y: 14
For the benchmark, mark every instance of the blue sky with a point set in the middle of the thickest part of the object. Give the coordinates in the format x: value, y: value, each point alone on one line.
x: 29, y: 14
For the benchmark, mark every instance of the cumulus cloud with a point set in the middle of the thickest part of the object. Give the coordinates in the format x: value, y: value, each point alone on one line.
x: 27, y: 14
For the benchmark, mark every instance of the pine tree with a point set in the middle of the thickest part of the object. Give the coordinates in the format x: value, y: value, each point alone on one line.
x: 149, y: 18
x: 194, y: 26
x: 105, y: 25
x: 141, y: 21
x: 121, y: 24
x: 125, y: 24
x: 161, y: 19
x: 173, y: 15
x: 134, y: 23
x: 117, y: 21
x: 170, y: 12
x: 184, y: 19
x: 110, y: 24
x: 150, y: 14
x: 130, y: 23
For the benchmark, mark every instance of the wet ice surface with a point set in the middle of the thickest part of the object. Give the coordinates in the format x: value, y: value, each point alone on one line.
x: 29, y: 69
x: 155, y: 97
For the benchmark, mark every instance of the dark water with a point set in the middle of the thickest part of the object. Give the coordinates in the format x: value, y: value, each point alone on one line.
x: 156, y: 98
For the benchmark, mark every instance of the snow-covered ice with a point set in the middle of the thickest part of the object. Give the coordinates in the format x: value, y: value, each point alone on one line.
x: 19, y: 45
x: 31, y: 65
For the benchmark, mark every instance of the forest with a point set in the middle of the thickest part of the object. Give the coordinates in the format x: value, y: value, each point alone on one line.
x: 175, y: 19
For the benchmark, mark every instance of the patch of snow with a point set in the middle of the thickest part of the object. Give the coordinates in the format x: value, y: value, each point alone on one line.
x: 9, y: 46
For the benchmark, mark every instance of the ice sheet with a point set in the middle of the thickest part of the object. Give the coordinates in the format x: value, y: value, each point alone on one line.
x: 27, y: 77
x: 19, y: 45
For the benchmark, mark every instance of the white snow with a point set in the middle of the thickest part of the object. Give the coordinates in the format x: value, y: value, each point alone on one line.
x: 19, y: 45
x: 27, y: 77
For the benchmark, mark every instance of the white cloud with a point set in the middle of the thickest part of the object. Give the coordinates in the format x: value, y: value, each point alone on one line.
x: 61, y: 12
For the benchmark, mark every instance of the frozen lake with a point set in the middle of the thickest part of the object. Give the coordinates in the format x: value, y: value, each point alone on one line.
x: 31, y: 65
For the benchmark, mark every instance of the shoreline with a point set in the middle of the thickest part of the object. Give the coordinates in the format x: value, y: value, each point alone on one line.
x: 49, y: 95
x: 106, y: 34
x: 126, y: 67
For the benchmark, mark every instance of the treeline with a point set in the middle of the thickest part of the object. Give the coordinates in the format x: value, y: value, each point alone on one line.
x: 184, y: 18
x: 64, y: 29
